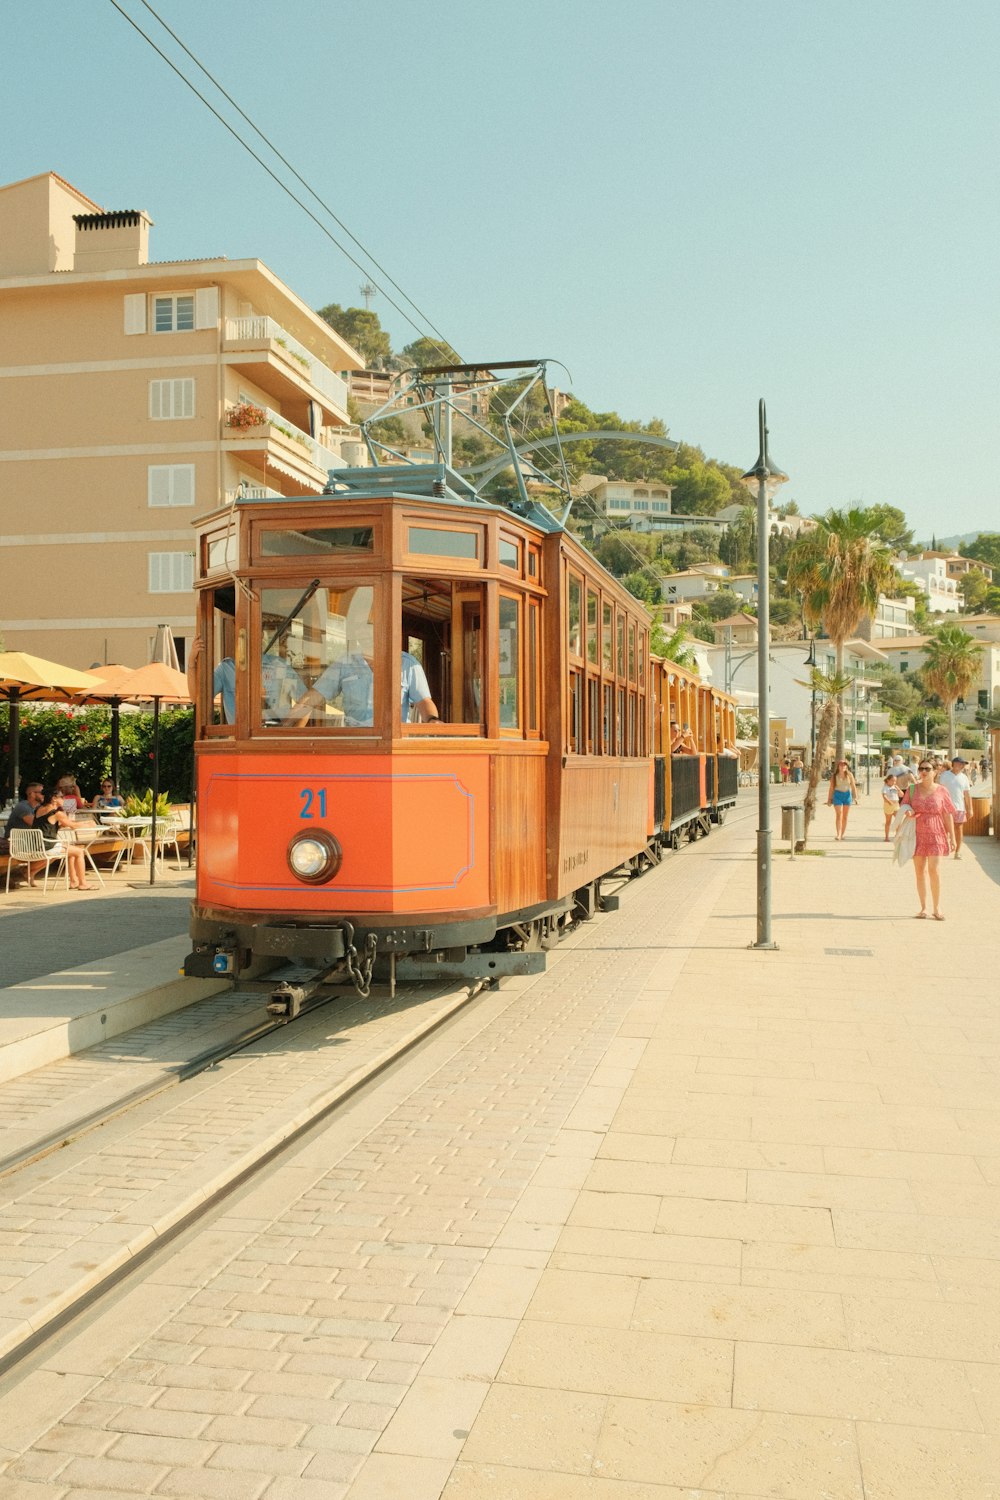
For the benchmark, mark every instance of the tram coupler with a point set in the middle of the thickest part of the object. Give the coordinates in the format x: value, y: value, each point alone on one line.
x: 286, y: 1001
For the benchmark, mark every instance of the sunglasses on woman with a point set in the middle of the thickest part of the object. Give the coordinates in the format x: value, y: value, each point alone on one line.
x: 925, y: 768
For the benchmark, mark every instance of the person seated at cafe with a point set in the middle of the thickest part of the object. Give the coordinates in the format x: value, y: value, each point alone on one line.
x: 281, y: 685
x: 22, y: 815
x: 72, y: 795
x: 53, y: 821
x: 107, y: 798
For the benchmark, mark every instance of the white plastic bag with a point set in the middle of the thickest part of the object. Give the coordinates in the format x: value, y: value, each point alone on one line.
x: 905, y: 839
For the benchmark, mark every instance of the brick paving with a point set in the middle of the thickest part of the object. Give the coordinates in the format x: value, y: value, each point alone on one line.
x: 675, y: 1219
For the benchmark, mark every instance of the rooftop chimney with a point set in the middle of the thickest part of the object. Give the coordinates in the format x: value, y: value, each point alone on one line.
x: 112, y: 241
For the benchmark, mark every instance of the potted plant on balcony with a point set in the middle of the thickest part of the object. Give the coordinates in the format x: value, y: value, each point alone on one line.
x: 246, y: 416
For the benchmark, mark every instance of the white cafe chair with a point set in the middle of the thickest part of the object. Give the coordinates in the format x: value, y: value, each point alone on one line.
x: 27, y: 847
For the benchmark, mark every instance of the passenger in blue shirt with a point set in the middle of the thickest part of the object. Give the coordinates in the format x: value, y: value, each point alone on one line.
x: 281, y: 685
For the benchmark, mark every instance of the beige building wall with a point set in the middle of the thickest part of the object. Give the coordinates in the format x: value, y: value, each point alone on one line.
x: 113, y: 435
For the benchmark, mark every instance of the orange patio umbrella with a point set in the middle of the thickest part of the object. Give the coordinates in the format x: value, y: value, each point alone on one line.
x: 109, y: 676
x: 154, y: 683
x: 25, y: 677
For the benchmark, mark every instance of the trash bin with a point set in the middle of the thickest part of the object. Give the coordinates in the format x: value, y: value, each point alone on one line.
x: 793, y: 822
x: 978, y: 826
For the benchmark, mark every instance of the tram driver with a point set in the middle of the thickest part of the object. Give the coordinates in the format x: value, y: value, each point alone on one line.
x: 352, y: 680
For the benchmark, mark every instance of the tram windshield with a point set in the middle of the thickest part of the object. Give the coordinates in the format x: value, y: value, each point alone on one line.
x: 318, y: 660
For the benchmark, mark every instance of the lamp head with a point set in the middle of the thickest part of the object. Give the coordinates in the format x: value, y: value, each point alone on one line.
x: 765, y: 468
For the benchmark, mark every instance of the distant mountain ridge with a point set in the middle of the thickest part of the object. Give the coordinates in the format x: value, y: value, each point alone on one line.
x: 957, y: 541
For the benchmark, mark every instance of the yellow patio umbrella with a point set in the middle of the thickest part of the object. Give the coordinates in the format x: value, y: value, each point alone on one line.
x: 155, y: 683
x: 32, y: 678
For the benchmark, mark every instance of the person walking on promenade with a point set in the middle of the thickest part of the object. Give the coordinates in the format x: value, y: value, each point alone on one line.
x: 956, y: 784
x: 843, y: 791
x: 931, y: 806
x: 797, y: 770
x: 890, y: 800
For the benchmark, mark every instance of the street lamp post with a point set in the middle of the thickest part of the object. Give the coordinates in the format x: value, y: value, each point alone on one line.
x: 764, y: 478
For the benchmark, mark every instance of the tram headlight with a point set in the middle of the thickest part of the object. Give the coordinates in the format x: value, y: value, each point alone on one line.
x: 314, y: 856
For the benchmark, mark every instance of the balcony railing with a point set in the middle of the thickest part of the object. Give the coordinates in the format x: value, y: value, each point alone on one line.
x: 252, y: 492
x: 321, y: 457
x: 263, y: 330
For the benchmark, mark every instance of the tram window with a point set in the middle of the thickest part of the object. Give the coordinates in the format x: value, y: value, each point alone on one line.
x: 620, y: 737
x: 575, y: 736
x: 508, y: 663
x: 510, y: 554
x: 442, y: 622
x: 574, y: 620
x: 591, y: 626
x: 532, y: 666
x: 631, y: 748
x: 631, y: 651
x: 621, y: 645
x: 316, y: 540
x: 222, y: 550
x: 439, y: 543
x: 607, y: 637
x: 593, y: 716
x: 534, y: 562
x: 608, y: 720
x: 221, y: 655
x: 318, y: 658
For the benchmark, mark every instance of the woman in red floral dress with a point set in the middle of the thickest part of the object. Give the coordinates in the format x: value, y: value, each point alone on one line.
x: 931, y: 805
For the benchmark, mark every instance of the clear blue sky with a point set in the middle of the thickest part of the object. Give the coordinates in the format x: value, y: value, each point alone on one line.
x: 690, y: 204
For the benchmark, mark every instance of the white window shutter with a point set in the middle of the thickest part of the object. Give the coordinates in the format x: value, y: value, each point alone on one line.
x: 135, y: 313
x: 183, y: 484
x: 184, y: 406
x: 159, y: 484
x: 206, y: 307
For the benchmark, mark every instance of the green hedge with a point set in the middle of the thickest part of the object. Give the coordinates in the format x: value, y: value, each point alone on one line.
x: 55, y: 741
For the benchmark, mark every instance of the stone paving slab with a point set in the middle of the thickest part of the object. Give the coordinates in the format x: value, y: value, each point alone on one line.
x: 613, y: 1246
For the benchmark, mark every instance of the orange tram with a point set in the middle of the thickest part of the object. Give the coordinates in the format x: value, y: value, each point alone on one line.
x: 360, y: 838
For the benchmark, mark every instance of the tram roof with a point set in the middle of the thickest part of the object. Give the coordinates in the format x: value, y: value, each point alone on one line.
x: 427, y: 482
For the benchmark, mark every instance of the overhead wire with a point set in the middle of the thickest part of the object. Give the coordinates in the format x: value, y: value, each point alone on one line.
x: 365, y: 271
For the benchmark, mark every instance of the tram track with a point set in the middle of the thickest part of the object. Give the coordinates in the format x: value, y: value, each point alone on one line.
x: 128, y: 1258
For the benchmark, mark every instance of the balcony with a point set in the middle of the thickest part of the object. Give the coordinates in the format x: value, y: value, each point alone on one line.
x: 275, y: 442
x: 275, y: 359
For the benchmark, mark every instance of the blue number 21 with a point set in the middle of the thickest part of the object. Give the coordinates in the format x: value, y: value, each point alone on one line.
x: 307, y: 795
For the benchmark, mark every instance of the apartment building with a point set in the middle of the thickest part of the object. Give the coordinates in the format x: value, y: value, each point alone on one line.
x: 643, y: 505
x: 931, y: 572
x: 957, y: 566
x: 892, y: 617
x: 136, y: 396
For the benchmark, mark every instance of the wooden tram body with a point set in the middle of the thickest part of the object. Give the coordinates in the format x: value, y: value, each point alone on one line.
x: 459, y: 846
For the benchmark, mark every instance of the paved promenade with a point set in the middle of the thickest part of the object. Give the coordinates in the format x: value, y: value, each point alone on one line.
x: 675, y: 1220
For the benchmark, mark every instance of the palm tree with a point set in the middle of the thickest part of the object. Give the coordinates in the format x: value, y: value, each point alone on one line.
x: 840, y: 569
x: 951, y: 669
x: 831, y: 687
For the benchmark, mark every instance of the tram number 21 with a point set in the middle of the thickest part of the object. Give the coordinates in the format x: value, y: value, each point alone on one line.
x: 313, y: 802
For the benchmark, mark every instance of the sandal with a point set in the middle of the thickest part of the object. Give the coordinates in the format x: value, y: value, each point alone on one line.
x: 921, y: 916
x: 939, y: 916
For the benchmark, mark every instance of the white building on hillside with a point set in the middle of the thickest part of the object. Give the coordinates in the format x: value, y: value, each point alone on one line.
x: 931, y: 572
x: 792, y: 697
